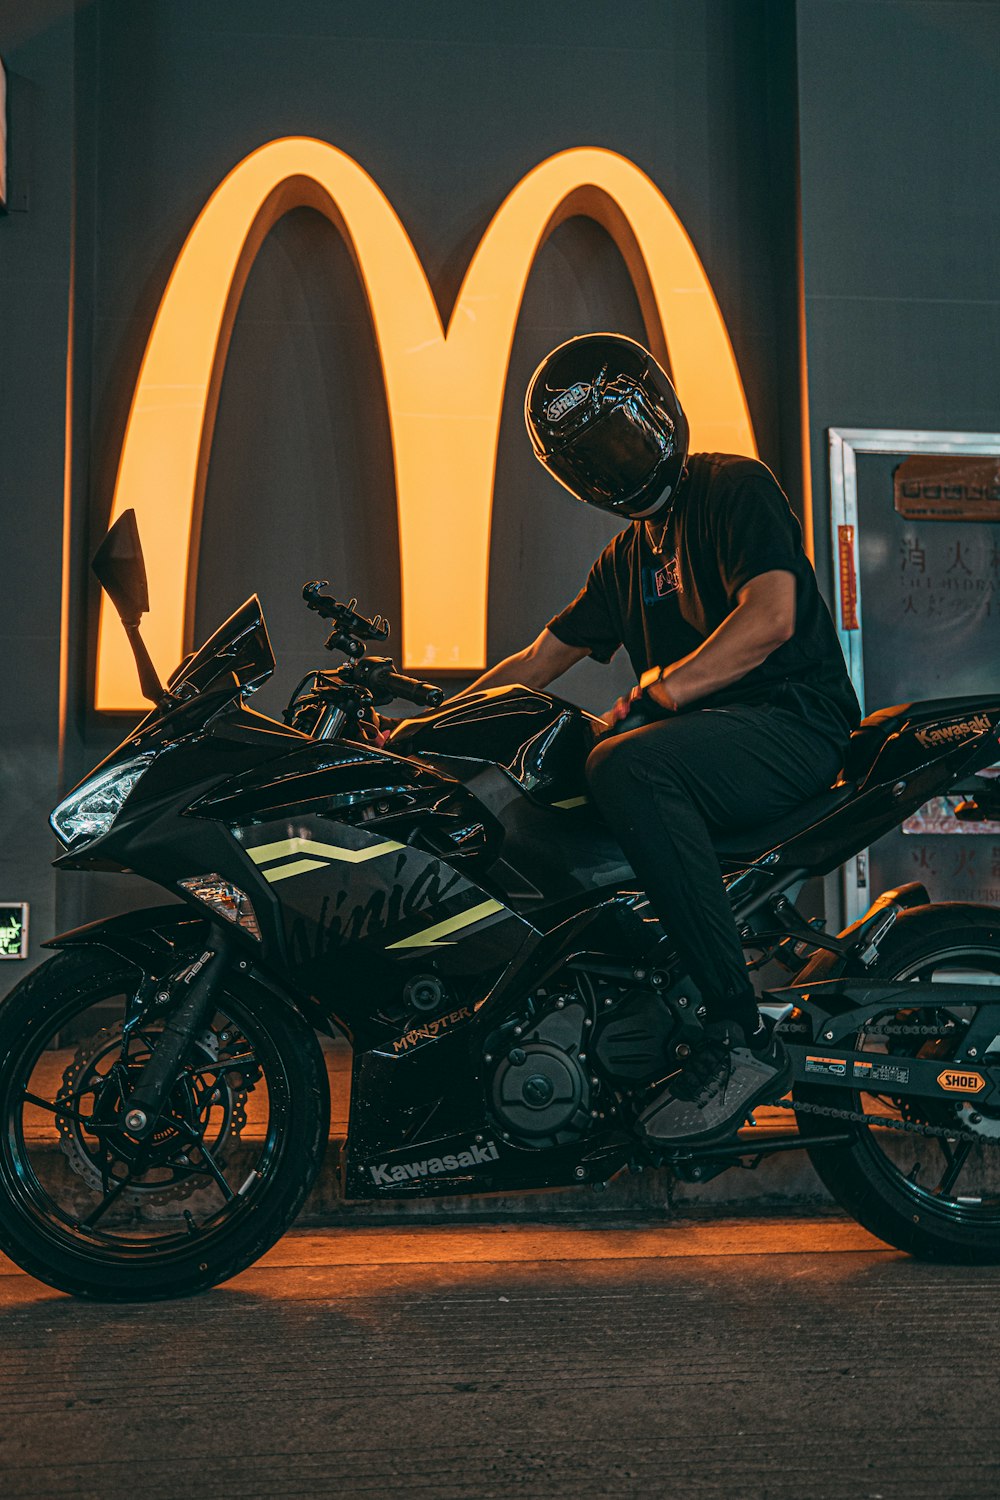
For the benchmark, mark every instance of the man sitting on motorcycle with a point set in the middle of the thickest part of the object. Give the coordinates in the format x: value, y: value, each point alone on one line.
x: 743, y: 705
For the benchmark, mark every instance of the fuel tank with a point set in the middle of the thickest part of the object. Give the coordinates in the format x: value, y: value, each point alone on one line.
x: 541, y: 742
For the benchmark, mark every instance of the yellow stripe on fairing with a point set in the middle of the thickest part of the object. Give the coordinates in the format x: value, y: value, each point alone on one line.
x: 297, y: 867
x: 432, y: 935
x: 572, y: 802
x: 263, y: 854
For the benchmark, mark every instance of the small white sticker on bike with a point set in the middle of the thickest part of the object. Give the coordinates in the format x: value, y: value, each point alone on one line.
x: 830, y: 1066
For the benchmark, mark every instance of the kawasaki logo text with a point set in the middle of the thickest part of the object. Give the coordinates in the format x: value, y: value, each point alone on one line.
x: 979, y: 725
x: 434, y: 1166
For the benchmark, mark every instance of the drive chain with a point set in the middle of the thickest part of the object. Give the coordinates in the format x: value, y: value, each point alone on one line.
x: 911, y: 1127
x: 857, y: 1117
x: 890, y: 1028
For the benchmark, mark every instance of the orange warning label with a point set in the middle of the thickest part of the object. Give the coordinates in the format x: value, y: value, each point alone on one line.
x: 848, y: 579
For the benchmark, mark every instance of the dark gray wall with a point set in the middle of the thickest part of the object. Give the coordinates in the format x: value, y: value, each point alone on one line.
x: 900, y: 143
x: 140, y: 109
x: 35, y: 291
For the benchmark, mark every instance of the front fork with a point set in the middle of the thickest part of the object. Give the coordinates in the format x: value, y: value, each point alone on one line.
x: 189, y: 993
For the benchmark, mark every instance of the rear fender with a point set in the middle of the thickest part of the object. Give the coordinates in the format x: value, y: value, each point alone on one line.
x: 836, y: 997
x: 864, y: 935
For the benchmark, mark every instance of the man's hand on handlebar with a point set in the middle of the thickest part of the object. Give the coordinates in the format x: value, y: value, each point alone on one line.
x: 377, y: 730
x: 619, y: 711
x: 649, y: 700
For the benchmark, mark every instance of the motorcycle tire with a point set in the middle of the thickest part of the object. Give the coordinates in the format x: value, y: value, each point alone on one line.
x: 86, y: 1210
x: 887, y: 1180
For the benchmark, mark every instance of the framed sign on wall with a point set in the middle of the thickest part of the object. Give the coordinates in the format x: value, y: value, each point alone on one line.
x: 13, y: 929
x: 915, y: 518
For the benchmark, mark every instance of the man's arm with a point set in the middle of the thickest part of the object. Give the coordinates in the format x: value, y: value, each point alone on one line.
x: 764, y: 618
x: 535, y: 667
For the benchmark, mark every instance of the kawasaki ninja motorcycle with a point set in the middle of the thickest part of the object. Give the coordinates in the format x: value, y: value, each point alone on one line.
x: 451, y: 904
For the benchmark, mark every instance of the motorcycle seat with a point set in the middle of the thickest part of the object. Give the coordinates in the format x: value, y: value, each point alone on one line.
x: 751, y: 843
x: 862, y: 750
x: 868, y: 739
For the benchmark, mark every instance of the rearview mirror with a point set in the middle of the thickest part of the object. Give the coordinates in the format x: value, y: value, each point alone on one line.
x: 119, y: 566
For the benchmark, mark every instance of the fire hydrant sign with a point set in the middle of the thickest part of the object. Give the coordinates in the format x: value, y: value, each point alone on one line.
x: 13, y: 929
x: 929, y: 568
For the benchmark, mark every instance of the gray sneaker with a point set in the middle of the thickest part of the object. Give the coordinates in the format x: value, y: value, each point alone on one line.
x: 718, y: 1086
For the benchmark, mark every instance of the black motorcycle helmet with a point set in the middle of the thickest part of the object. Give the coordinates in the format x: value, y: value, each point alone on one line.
x: 605, y: 421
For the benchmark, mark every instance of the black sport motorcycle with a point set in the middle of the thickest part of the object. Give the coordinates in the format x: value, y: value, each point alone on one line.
x: 450, y: 903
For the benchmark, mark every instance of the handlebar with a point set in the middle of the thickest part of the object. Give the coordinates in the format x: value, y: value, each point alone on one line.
x: 381, y: 676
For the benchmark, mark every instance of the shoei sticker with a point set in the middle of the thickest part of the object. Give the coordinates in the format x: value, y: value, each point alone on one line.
x: 835, y: 1067
x: 954, y: 1082
x: 566, y: 402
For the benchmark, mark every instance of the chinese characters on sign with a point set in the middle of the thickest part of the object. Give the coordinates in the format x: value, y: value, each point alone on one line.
x: 949, y: 573
x: 848, y: 579
x: 957, y: 873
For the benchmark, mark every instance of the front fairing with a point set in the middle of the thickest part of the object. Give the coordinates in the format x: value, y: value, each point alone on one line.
x: 234, y: 661
x: 346, y: 916
x: 191, y: 758
x: 240, y: 648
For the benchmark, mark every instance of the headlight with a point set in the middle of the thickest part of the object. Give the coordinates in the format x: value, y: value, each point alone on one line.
x: 90, y: 810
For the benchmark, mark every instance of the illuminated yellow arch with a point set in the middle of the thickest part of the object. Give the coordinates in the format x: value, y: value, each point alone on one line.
x: 444, y: 391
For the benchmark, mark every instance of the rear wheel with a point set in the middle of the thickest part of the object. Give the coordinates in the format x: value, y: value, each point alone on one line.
x: 89, y: 1209
x: 935, y: 1195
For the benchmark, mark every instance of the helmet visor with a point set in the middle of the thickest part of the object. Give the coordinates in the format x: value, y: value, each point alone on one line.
x: 614, y: 462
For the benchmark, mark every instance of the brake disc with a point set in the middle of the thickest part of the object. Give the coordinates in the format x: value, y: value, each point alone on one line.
x: 94, y: 1086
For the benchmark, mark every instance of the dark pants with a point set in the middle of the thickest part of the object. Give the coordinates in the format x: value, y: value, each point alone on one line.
x: 663, y: 789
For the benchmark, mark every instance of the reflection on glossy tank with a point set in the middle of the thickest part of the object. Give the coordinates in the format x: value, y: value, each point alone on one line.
x: 539, y: 740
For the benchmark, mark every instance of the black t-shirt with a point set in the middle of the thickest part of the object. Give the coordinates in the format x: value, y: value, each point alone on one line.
x: 730, y: 522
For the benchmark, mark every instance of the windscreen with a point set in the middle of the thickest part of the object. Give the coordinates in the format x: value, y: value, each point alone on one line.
x: 240, y: 646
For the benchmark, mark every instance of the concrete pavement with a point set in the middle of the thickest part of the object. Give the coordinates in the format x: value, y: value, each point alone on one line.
x: 775, y: 1359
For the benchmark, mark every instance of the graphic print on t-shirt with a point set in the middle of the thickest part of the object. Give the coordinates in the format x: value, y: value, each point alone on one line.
x: 662, y: 580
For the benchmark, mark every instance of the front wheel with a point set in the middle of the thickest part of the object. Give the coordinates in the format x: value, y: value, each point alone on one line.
x: 932, y: 1189
x: 96, y: 1213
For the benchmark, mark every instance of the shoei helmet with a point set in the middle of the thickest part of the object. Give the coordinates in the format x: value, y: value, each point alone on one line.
x: 605, y: 421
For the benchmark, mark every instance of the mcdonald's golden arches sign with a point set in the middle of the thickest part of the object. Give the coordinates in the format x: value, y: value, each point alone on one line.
x: 444, y: 387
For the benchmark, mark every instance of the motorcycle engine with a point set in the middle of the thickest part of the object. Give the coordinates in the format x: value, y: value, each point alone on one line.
x: 561, y: 1069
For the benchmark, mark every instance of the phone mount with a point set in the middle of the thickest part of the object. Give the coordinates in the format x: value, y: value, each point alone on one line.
x: 351, y: 629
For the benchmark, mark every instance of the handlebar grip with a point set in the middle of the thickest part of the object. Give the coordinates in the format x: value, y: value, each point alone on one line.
x: 424, y: 694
